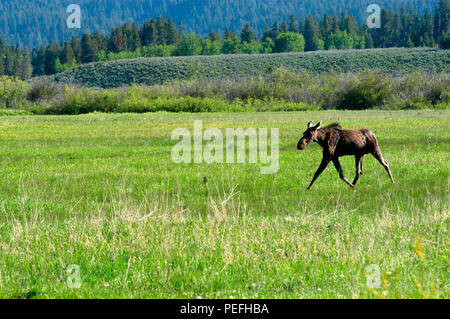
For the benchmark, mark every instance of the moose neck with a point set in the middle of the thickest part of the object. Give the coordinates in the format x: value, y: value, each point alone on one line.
x: 321, y: 137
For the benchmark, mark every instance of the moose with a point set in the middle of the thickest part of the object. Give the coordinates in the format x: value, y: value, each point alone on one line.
x: 337, y: 142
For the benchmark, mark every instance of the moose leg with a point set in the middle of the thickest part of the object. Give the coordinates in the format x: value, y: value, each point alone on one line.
x: 361, y: 164
x: 341, y: 172
x: 358, y: 164
x: 323, y: 165
x: 379, y: 157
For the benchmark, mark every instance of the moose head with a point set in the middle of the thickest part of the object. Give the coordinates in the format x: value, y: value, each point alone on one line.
x: 310, y: 135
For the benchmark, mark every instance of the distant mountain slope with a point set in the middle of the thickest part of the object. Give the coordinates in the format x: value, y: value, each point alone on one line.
x: 159, y: 70
x: 36, y: 22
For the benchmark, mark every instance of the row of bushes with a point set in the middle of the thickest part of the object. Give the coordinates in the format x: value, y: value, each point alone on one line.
x: 281, y: 90
x: 141, y: 99
x: 365, y: 90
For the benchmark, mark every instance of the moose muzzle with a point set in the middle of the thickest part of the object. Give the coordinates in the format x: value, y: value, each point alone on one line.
x: 301, y: 145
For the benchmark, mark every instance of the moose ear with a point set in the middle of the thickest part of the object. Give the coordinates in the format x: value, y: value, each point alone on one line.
x: 318, y: 125
x: 310, y: 124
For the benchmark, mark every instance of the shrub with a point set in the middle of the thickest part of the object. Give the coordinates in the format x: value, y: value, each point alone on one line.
x: 289, y: 42
x: 438, y: 91
x: 366, y: 91
x: 191, y: 44
x: 444, y: 40
x: 12, y: 112
x: 341, y: 40
x: 41, y: 90
x: 252, y: 47
x: 159, y: 50
x: 13, y: 93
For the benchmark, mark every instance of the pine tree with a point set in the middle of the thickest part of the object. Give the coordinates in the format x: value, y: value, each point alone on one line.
x: 181, y: 30
x: 444, y: 40
x: 67, y: 54
x: 367, y: 36
x: 50, y: 56
x: 351, y: 25
x: 116, y: 42
x: 15, y: 61
x: 405, y: 27
x: 441, y: 24
x: 383, y: 36
x: 335, y: 23
x: 149, y: 33
x: 24, y: 68
x: 415, y: 29
x: 444, y: 12
x: 10, y: 60
x: 229, y: 34
x: 284, y: 27
x: 135, y: 39
x: 2, y: 61
x: 437, y: 23
x: 428, y: 30
x: 76, y: 47
x: 247, y: 34
x: 293, y: 25
x: 173, y: 36
x: 343, y: 21
x: 214, y: 36
x: 126, y: 37
x: 266, y: 33
x: 311, y: 34
x: 101, y: 41
x: 37, y: 61
x: 397, y: 29
x: 89, y: 49
x: 301, y: 26
x: 275, y: 31
x: 326, y: 30
x: 161, y: 26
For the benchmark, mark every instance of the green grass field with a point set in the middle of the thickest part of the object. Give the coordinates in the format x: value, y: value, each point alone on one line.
x: 101, y: 191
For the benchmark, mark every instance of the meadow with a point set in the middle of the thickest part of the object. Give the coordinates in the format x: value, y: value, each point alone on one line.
x: 101, y: 191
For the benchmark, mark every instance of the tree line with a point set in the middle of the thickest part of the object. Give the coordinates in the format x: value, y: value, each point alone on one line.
x: 35, y: 22
x: 161, y: 37
x: 15, y: 61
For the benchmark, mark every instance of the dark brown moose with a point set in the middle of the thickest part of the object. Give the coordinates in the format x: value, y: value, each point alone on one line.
x: 337, y: 142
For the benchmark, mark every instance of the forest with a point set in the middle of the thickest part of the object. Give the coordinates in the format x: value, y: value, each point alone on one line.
x: 35, y: 22
x: 163, y: 37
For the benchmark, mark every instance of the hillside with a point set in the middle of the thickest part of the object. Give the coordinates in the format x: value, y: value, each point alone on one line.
x: 36, y: 22
x: 160, y: 70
